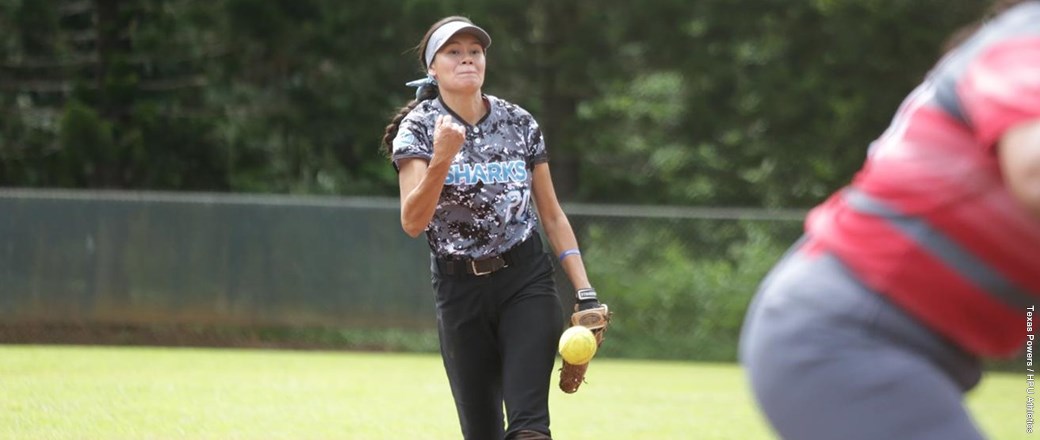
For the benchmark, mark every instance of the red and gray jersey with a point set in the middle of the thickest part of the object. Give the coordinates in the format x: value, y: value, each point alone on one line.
x: 928, y: 220
x: 485, y: 206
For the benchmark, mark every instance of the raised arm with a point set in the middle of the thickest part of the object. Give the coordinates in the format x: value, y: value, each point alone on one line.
x: 421, y: 183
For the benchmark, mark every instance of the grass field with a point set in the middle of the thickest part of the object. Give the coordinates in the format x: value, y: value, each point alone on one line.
x: 79, y: 392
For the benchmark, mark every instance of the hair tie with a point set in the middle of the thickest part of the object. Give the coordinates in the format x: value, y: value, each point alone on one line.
x: 421, y: 85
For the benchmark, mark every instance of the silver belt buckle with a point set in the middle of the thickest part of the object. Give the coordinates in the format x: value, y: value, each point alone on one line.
x: 473, y: 266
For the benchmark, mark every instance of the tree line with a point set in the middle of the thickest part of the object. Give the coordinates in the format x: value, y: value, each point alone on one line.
x: 716, y: 102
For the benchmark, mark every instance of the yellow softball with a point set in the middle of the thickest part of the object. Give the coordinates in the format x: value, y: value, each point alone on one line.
x: 577, y: 345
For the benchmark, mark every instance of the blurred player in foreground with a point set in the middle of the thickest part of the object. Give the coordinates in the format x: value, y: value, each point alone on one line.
x: 472, y: 168
x: 874, y: 323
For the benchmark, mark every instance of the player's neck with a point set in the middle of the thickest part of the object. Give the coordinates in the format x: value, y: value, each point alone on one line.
x: 470, y: 106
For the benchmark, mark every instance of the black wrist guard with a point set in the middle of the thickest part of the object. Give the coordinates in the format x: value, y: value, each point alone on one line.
x: 586, y: 298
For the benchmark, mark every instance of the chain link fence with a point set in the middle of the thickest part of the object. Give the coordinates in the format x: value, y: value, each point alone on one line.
x: 677, y: 276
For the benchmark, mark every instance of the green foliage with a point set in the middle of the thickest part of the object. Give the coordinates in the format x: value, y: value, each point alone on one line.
x: 778, y: 101
x: 106, y: 94
x: 674, y: 305
x: 722, y: 102
x: 86, y: 139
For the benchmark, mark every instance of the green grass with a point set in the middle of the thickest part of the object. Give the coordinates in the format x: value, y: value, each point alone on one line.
x: 66, y: 392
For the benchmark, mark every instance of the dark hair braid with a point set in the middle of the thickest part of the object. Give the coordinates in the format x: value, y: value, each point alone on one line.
x: 395, y: 123
x: 429, y: 93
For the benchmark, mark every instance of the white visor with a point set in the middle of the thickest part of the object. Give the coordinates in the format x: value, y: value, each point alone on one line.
x: 446, y: 31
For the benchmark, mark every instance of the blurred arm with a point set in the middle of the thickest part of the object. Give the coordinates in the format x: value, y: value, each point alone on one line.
x: 1019, y: 155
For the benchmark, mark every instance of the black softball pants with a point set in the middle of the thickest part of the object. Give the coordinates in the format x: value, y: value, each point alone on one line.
x: 499, y: 334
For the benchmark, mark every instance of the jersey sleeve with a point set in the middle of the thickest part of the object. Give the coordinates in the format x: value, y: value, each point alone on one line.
x: 413, y: 140
x: 1001, y: 87
x: 537, y: 153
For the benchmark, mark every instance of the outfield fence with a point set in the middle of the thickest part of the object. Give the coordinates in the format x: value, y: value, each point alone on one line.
x: 115, y: 257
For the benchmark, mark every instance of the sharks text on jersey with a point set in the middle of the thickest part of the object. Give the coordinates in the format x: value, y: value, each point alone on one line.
x: 494, y: 172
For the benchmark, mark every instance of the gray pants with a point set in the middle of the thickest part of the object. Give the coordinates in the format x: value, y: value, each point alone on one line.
x: 829, y: 359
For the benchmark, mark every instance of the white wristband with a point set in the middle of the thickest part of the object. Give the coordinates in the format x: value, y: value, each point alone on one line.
x: 586, y: 294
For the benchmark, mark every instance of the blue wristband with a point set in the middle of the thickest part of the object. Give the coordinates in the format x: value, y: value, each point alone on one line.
x: 568, y: 253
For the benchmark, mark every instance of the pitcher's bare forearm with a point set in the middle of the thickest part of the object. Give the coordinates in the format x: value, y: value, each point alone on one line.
x: 557, y: 227
x: 561, y: 237
x: 421, y: 186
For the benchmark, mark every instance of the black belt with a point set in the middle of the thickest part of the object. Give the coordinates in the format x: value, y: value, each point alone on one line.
x: 485, y: 266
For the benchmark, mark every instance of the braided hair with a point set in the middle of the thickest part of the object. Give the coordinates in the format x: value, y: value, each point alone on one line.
x: 428, y: 93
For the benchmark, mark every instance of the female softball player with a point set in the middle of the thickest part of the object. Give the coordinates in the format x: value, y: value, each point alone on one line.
x: 472, y: 168
x: 873, y: 325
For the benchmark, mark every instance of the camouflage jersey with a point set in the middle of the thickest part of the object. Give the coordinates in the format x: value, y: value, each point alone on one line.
x: 485, y: 206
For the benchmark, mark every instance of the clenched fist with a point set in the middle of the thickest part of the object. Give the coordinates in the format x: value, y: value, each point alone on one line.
x: 448, y: 137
